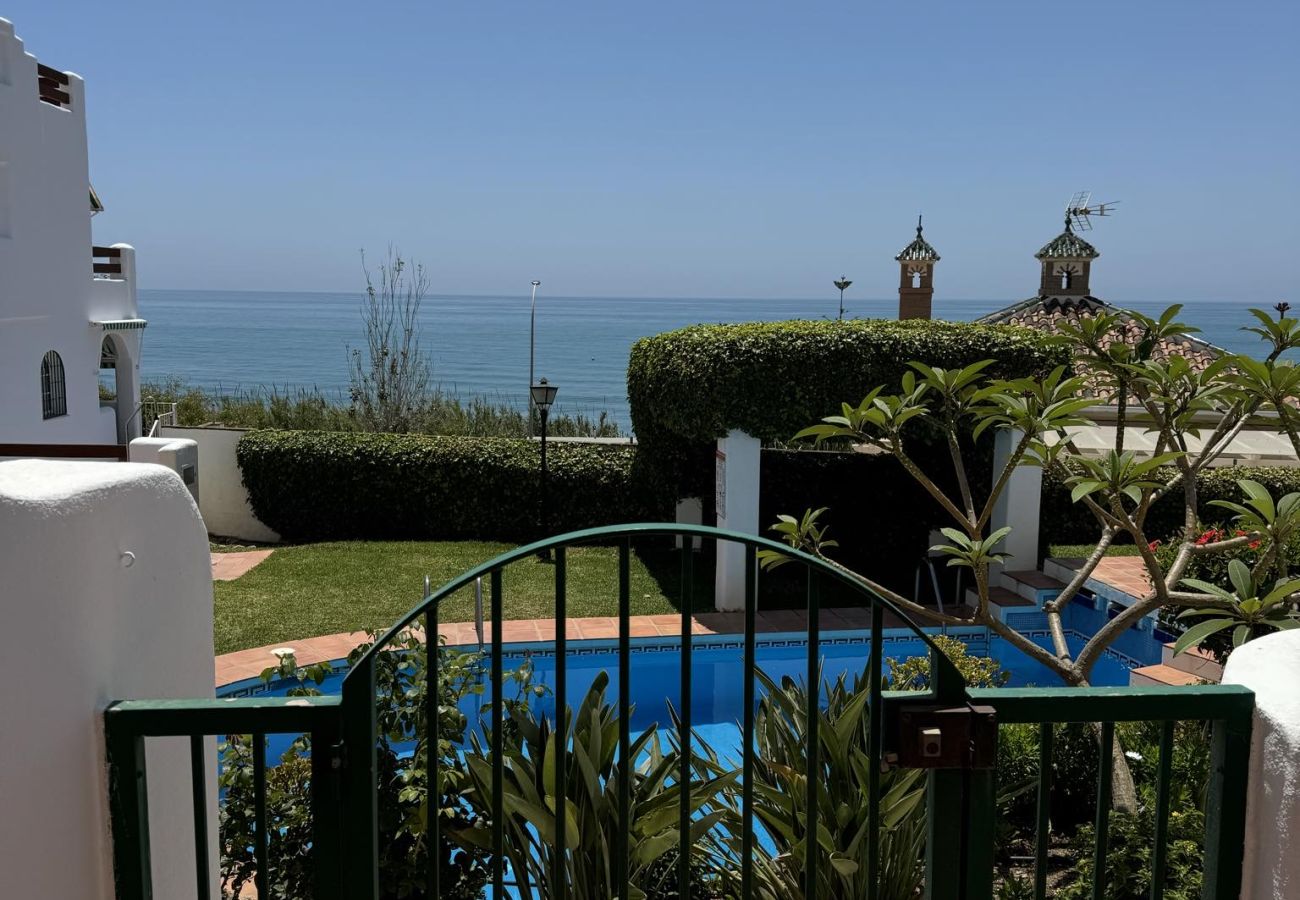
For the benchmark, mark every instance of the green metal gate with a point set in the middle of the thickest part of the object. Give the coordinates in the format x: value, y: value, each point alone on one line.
x: 948, y: 730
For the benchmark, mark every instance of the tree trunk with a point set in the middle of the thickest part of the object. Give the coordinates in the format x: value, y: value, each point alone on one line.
x: 1123, y: 791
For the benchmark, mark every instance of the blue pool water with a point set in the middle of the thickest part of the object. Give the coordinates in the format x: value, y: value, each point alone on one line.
x: 717, y: 679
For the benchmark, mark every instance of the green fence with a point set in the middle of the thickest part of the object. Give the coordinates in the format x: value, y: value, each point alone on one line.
x: 948, y: 730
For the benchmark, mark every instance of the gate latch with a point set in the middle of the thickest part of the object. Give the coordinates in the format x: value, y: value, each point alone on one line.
x: 957, y: 737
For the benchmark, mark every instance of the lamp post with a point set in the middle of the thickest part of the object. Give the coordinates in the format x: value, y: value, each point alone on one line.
x: 842, y: 283
x: 532, y: 336
x: 543, y: 395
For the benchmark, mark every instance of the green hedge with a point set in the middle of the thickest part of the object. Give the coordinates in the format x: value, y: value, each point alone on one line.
x: 329, y: 485
x: 771, y: 379
x: 688, y: 387
x: 1064, y: 522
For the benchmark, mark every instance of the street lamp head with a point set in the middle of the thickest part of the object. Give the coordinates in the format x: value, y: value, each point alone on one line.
x: 536, y: 283
x: 842, y: 283
x: 543, y: 394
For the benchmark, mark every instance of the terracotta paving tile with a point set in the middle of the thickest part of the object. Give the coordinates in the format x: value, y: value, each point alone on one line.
x: 546, y: 630
x: 667, y: 625
x: 722, y: 623
x: 637, y: 628
x: 781, y: 620
x: 854, y: 616
x: 229, y: 566
x: 516, y: 632
x: 832, y: 620
x: 597, y: 627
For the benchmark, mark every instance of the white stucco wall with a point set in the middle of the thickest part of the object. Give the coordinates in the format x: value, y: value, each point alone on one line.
x: 223, y: 500
x: 1270, y: 666
x: 177, y: 454
x: 82, y: 624
x: 48, y: 295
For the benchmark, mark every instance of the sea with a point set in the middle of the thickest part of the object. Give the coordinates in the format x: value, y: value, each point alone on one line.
x: 243, y: 341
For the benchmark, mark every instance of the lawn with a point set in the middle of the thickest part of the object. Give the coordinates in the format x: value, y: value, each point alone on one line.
x: 316, y: 589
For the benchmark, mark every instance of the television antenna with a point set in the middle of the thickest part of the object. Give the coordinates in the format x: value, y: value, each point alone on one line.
x: 1080, y: 208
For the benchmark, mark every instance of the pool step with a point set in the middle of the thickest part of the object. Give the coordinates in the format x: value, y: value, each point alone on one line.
x: 1197, y: 662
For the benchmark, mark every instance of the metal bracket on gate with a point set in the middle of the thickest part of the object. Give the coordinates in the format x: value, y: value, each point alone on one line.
x: 957, y: 737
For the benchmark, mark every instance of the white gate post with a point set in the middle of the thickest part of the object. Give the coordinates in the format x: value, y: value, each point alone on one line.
x: 1019, y: 504
x: 736, y: 497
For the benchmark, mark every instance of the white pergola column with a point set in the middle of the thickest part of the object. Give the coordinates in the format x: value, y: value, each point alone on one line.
x: 1019, y: 505
x: 736, y: 497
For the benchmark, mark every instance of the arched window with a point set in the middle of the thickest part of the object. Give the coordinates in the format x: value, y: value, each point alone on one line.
x: 54, y: 388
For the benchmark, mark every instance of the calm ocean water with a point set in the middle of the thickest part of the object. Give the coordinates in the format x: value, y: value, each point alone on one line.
x: 240, y: 340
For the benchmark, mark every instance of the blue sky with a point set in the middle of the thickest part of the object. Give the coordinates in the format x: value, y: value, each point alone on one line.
x: 689, y: 149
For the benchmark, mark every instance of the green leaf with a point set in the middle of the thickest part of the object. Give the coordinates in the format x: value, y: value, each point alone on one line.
x: 1193, y: 636
x: 1239, y: 575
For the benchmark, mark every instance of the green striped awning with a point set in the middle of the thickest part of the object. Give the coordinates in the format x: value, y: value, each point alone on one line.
x: 121, y: 324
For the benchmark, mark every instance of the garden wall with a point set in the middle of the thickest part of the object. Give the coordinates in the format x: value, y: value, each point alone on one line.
x: 223, y: 500
x: 107, y: 596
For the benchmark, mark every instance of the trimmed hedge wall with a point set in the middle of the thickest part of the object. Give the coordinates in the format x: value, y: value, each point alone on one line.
x: 1064, y: 522
x: 329, y: 485
x: 688, y: 387
x: 771, y: 379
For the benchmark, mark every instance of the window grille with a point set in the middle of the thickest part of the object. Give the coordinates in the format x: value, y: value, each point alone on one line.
x: 54, y: 388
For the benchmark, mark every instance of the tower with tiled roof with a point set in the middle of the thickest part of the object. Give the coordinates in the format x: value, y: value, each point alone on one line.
x: 916, y: 277
x: 1066, y: 260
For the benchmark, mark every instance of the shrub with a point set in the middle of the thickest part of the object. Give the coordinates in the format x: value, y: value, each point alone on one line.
x: 844, y: 761
x: 305, y: 409
x: 588, y: 749
x: 1064, y: 522
x: 913, y: 673
x: 403, y: 785
x: 324, y: 485
x: 1213, y: 567
x: 1128, y: 859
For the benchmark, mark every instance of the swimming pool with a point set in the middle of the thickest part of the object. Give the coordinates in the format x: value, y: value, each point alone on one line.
x: 717, y: 675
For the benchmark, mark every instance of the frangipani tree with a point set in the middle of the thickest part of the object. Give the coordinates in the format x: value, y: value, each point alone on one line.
x: 1194, y: 414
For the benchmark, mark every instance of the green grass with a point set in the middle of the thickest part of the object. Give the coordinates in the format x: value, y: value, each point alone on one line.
x: 316, y: 589
x: 1085, y: 550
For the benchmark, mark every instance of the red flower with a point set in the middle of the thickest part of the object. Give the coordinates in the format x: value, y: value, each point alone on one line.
x: 1153, y: 545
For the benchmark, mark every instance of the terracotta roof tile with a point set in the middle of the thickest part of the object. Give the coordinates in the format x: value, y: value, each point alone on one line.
x: 1047, y: 313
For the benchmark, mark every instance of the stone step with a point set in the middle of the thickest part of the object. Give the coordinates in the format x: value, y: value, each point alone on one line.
x: 1000, y: 601
x: 1063, y: 568
x: 1000, y: 596
x: 1161, y: 675
x: 1197, y: 662
x: 1033, y: 585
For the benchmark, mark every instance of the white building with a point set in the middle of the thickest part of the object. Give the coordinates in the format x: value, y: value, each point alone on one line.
x: 67, y: 310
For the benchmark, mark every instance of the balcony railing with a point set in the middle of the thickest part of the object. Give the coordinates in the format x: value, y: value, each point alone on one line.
x: 52, y: 86
x: 106, y: 260
x: 949, y: 730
